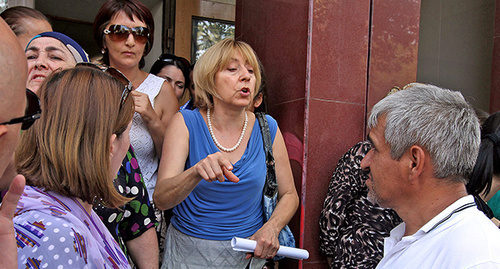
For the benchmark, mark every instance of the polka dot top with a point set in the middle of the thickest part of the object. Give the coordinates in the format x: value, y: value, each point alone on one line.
x: 55, y: 231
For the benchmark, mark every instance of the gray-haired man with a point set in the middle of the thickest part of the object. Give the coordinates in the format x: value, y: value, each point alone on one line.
x: 425, y: 143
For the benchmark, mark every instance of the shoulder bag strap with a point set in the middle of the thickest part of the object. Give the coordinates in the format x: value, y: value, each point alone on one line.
x: 271, y: 186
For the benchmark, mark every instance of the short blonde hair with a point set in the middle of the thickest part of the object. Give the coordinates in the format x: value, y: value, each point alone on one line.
x: 213, y: 61
x: 68, y: 149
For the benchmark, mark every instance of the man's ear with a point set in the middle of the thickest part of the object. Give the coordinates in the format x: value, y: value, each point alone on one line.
x: 3, y: 130
x: 417, y: 160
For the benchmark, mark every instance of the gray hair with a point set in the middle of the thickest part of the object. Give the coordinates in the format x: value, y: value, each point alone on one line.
x: 439, y: 120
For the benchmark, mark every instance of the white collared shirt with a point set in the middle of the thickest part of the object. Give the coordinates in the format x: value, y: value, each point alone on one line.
x: 460, y: 236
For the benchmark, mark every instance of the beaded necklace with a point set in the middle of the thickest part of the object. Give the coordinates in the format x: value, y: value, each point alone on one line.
x: 215, y: 139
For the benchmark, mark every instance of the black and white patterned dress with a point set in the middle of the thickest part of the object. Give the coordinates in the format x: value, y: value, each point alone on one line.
x: 351, y: 227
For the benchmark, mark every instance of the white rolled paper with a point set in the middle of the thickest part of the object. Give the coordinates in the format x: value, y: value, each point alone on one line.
x: 247, y: 245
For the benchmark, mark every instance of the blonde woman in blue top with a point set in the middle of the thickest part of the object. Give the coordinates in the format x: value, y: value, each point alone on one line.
x: 213, y: 168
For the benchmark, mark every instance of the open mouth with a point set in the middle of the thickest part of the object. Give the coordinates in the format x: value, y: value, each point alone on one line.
x: 38, y: 77
x: 245, y: 90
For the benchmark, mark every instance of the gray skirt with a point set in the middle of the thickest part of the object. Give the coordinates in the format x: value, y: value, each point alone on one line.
x: 183, y: 251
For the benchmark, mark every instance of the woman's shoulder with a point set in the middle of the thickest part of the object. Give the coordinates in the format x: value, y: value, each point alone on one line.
x: 271, y: 122
x: 49, y: 240
x: 151, y: 86
x: 154, y: 79
x: 191, y: 114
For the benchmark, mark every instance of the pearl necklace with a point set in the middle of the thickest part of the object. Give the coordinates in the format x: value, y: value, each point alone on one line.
x: 215, y: 139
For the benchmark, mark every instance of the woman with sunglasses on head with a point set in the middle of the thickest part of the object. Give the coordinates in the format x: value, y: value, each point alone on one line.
x: 123, y: 29
x: 176, y: 71
x: 213, y: 170
x: 52, y: 51
x: 69, y: 158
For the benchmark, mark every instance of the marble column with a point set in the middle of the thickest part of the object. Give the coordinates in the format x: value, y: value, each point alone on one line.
x: 326, y: 63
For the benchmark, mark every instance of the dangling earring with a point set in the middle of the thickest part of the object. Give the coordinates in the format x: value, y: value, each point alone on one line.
x: 103, y: 51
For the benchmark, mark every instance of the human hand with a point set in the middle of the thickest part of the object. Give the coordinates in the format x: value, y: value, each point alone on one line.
x: 8, y: 246
x: 215, y: 167
x: 267, y: 243
x: 143, y: 105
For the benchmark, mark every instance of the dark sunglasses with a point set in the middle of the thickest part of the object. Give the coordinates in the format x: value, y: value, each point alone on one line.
x: 31, y: 113
x: 118, y: 32
x: 115, y: 73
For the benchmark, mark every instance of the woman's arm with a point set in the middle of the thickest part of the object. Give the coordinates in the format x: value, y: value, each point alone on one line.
x: 144, y: 249
x: 174, y: 184
x: 166, y: 105
x: 288, y: 201
x: 157, y: 119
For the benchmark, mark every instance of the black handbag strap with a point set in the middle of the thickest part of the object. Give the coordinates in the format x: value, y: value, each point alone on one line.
x: 271, y: 186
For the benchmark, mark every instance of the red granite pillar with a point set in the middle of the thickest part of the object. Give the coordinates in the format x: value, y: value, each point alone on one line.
x: 324, y: 70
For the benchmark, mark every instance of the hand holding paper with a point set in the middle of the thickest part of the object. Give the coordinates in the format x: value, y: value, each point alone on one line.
x: 246, y: 245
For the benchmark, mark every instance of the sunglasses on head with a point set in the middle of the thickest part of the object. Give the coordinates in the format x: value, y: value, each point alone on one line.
x: 118, y: 32
x: 170, y: 58
x: 31, y: 113
x: 115, y: 73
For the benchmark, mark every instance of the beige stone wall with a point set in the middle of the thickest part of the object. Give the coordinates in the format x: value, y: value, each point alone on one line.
x: 186, y: 9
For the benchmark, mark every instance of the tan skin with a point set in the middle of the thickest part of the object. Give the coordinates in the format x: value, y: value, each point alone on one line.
x: 125, y: 56
x: 407, y: 185
x: 46, y: 55
x: 176, y: 79
x: 32, y: 28
x: 12, y: 105
x: 228, y: 113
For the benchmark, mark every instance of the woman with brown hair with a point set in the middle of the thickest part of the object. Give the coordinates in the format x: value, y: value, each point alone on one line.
x: 69, y: 158
x: 124, y: 30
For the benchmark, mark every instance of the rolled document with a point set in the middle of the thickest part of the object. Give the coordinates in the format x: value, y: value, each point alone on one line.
x: 247, y: 245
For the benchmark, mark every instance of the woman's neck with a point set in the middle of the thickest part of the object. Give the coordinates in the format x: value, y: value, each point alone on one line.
x: 134, y: 74
x: 226, y: 118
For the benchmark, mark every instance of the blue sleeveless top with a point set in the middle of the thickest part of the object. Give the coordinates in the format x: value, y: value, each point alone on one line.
x: 222, y: 210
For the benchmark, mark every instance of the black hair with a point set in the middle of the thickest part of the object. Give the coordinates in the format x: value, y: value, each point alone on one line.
x: 262, y: 90
x: 488, y: 160
x: 171, y: 59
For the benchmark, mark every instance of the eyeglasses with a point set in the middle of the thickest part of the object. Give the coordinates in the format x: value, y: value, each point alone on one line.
x: 31, y: 113
x: 118, y: 32
x: 115, y: 73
